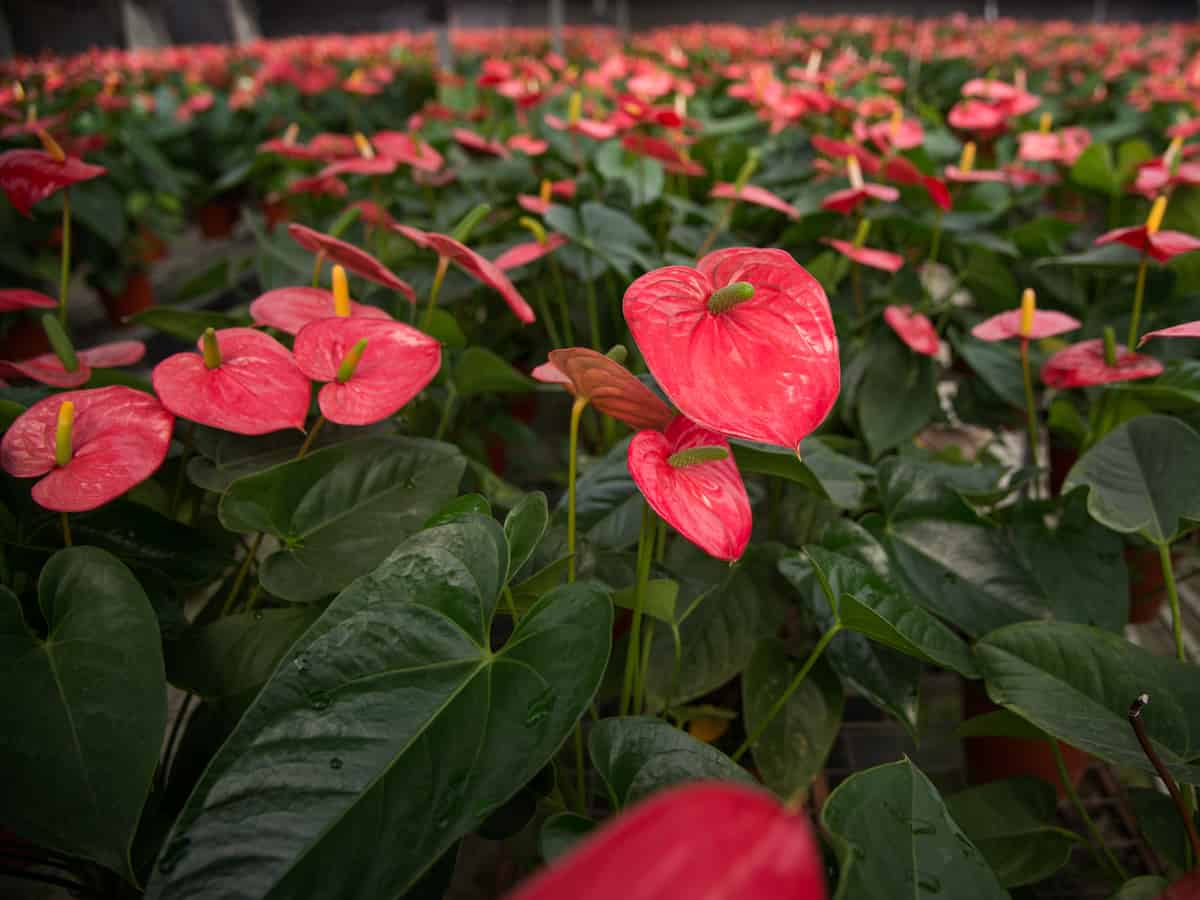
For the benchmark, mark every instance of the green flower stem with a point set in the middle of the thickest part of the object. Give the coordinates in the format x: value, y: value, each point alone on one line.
x: 66, y: 530
x: 639, y: 688
x: 577, y: 409
x: 720, y: 225
x: 1103, y: 855
x: 645, y: 552
x: 438, y: 277
x: 783, y: 698
x: 1139, y: 291
x: 935, y: 242
x: 64, y: 272
x: 593, y: 311
x: 544, y: 312
x: 1168, y: 570
x: 447, y: 410
x: 1030, y: 407
x: 316, y: 279
x: 242, y: 571
x: 568, y: 331
x: 312, y: 436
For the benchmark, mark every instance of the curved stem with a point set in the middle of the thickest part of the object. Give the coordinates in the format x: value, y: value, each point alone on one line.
x: 581, y: 804
x: 1168, y: 570
x: 64, y: 272
x: 559, y: 285
x: 572, y: 463
x: 645, y: 552
x: 593, y: 311
x: 1103, y: 855
x: 312, y: 436
x: 783, y: 698
x: 176, y: 729
x: 66, y: 530
x: 935, y: 242
x: 856, y: 283
x: 242, y: 571
x: 639, y: 687
x: 1030, y: 406
x: 1139, y: 292
x: 447, y: 411
x: 720, y: 225
x: 434, y: 290
x: 544, y: 311
x: 1185, y: 807
x: 316, y: 279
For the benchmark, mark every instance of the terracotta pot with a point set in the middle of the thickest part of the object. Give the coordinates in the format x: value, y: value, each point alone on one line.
x: 137, y: 295
x: 217, y: 219
x: 275, y: 212
x: 25, y: 339
x: 1147, y: 589
x: 151, y: 248
x: 995, y: 758
x: 1062, y: 458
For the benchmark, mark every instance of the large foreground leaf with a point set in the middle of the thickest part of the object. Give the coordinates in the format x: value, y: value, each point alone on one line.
x: 389, y: 730
x: 896, y: 839
x: 82, y: 711
x: 1076, y: 683
x: 339, y: 512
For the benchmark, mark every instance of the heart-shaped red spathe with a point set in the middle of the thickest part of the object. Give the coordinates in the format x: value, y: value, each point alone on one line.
x: 256, y: 389
x: 357, y: 261
x: 884, y: 260
x: 30, y: 176
x: 706, y: 502
x: 607, y: 385
x: 119, y: 438
x: 291, y: 308
x: 530, y: 251
x: 706, y: 840
x: 1159, y: 245
x: 750, y: 193
x: 1084, y: 365
x: 914, y: 329
x: 14, y: 299
x: 1006, y: 325
x: 48, y: 368
x: 396, y: 365
x: 765, y: 370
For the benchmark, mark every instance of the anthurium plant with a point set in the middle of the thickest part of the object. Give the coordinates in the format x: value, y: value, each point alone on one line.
x: 576, y: 442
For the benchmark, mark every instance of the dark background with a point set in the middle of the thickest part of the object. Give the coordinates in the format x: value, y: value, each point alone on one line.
x: 70, y: 26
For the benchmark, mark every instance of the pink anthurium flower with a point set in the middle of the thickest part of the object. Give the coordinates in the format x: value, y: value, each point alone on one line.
x: 357, y: 261
x: 590, y: 128
x: 1033, y: 324
x: 1064, y: 146
x: 1086, y: 364
x: 91, y: 445
x: 867, y: 256
x: 528, y: 144
x: 545, y: 197
x: 530, y: 251
x: 704, y: 840
x: 13, y: 299
x: 244, y: 381
x: 49, y: 369
x: 749, y: 193
x: 473, y: 264
x: 373, y: 367
x: 291, y: 308
x: 673, y: 160
x: 743, y: 344
x: 847, y: 200
x: 479, y: 143
x: 30, y: 176
x: 409, y: 150
x: 914, y: 329
x: 839, y: 150
x: 689, y: 477
x: 606, y: 385
x: 1151, y: 240
x: 1186, y: 330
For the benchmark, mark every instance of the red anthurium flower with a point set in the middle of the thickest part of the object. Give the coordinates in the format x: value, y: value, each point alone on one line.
x: 92, y: 445
x: 1187, y: 329
x: 1026, y: 323
x: 245, y: 382
x: 705, y: 840
x: 656, y: 148
x: 914, y: 329
x: 317, y: 186
x: 743, y: 344
x: 1186, y: 888
x: 689, y: 477
x: 374, y: 214
x: 1084, y: 365
x: 978, y: 116
x: 360, y: 165
x: 49, y: 369
x: 876, y: 259
x: 542, y: 202
x: 30, y: 176
x: 479, y: 143
x: 528, y: 144
x: 291, y: 308
x: 847, y: 200
x: 607, y: 385
x: 530, y: 251
x: 357, y: 261
x: 13, y: 299
x: 406, y: 149
x: 473, y: 264
x: 839, y: 150
x: 1063, y: 147
x: 373, y: 366
x: 1159, y: 245
x: 591, y: 128
x: 723, y: 190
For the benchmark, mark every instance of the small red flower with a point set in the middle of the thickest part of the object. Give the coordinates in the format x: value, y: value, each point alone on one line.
x: 479, y: 143
x: 1158, y: 245
x: 607, y: 385
x: 1045, y: 323
x: 839, y: 150
x: 656, y: 148
x: 597, y: 131
x: 1084, y: 365
x: 395, y: 364
x: 708, y: 840
x: 30, y: 176
x: 704, y: 500
x: 542, y: 202
x: 743, y: 344
x: 530, y: 251
x: 914, y: 329
x: 360, y: 165
x: 117, y: 437
x: 1187, y: 330
x: 357, y: 261
x: 527, y: 144
x: 291, y: 308
x: 13, y: 299
x: 245, y: 382
x: 723, y: 190
x: 876, y: 259
x: 410, y: 151
x: 49, y: 369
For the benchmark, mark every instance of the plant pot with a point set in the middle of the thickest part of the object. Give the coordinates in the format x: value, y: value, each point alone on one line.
x: 137, y: 295
x: 217, y: 219
x: 275, y: 212
x: 25, y: 339
x: 996, y: 758
x: 1147, y: 589
x: 1062, y: 458
x: 150, y: 247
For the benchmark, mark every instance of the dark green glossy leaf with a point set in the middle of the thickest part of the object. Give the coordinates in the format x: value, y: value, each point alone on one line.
x: 82, y: 719
x: 791, y: 751
x: 398, y: 725
x: 1076, y: 683
x: 638, y: 755
x: 1012, y: 822
x: 895, y: 837
x: 764, y: 459
x: 841, y: 477
x: 560, y: 832
x: 998, y: 365
x: 1095, y: 169
x: 458, y: 508
x: 1159, y: 822
x: 658, y: 599
x: 340, y: 511
x: 1108, y: 256
x: 1001, y: 723
x: 524, y: 527
x: 1142, y: 477
x: 187, y: 324
x: 897, y: 397
x: 605, y: 232
x: 480, y: 371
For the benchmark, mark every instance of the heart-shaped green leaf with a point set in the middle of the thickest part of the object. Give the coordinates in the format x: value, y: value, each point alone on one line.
x: 480, y: 371
x: 895, y: 838
x: 82, y: 723
x: 1142, y: 477
x: 524, y: 526
x: 390, y: 730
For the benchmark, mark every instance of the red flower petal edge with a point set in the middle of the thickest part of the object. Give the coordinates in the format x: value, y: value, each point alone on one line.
x: 700, y: 840
x: 705, y: 502
x: 914, y: 329
x: 1083, y: 365
x: 765, y: 370
x: 13, y: 299
x: 291, y: 308
x: 609, y: 387
x: 119, y: 438
x: 357, y: 261
x: 397, y: 364
x: 48, y: 368
x: 1005, y: 325
x: 866, y: 256
x: 530, y: 251
x: 30, y: 176
x: 1187, y: 329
